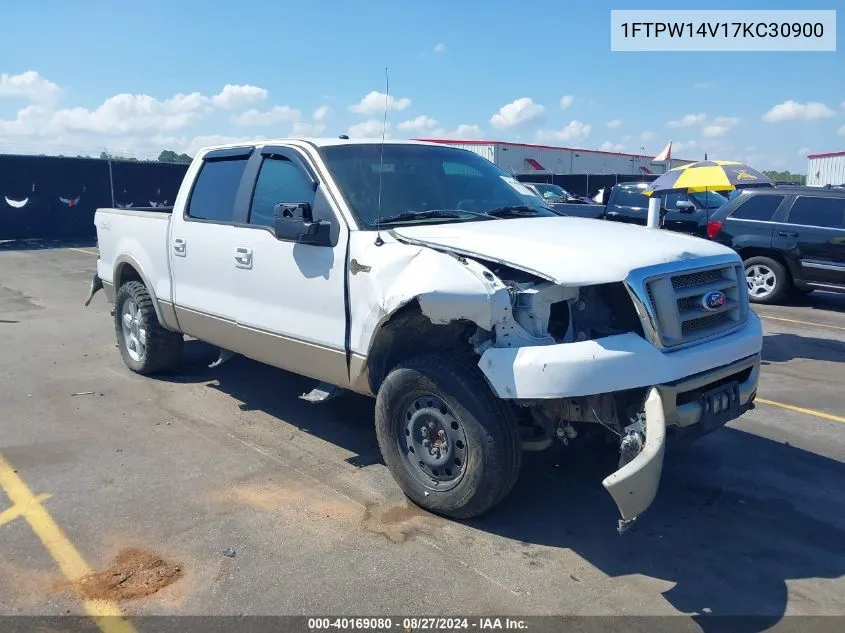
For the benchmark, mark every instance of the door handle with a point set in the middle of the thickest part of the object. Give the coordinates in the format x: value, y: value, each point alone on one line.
x: 243, y: 257
x: 787, y: 233
x: 180, y: 247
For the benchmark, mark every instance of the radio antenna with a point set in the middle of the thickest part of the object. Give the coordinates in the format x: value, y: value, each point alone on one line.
x: 380, y: 241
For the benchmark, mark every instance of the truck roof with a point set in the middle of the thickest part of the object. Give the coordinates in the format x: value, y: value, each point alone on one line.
x: 318, y: 141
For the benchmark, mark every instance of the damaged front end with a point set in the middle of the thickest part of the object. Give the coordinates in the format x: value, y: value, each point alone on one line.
x: 547, y: 314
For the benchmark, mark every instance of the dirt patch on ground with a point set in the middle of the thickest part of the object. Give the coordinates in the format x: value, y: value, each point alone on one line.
x: 299, y: 503
x: 133, y: 574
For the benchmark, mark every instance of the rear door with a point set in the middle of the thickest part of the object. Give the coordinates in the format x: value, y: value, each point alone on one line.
x: 201, y: 243
x: 814, y: 233
x: 289, y: 298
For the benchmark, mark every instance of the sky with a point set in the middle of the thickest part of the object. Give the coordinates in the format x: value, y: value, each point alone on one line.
x: 136, y: 78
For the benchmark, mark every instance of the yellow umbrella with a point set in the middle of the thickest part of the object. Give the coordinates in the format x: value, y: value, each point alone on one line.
x: 708, y: 175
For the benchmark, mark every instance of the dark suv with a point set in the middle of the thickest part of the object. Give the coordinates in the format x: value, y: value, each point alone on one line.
x: 792, y: 239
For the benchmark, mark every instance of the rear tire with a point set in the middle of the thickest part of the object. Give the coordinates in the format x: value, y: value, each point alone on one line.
x: 145, y: 345
x: 768, y: 281
x: 452, y: 446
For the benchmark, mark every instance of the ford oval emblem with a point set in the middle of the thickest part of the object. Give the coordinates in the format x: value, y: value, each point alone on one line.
x: 714, y: 300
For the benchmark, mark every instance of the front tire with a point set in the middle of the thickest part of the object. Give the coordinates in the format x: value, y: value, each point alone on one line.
x: 452, y: 446
x: 145, y: 345
x: 767, y: 279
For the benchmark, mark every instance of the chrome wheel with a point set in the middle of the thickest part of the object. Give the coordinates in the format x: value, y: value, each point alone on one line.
x: 761, y: 280
x: 433, y: 442
x: 134, y: 334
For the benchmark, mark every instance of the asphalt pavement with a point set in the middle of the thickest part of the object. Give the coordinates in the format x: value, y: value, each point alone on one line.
x: 249, y: 500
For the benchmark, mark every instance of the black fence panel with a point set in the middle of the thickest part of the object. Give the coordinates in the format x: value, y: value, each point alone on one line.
x: 52, y: 197
x: 587, y: 185
x: 146, y: 184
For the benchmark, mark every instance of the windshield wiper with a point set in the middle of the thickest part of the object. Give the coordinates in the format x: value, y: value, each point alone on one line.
x: 516, y: 209
x: 423, y: 214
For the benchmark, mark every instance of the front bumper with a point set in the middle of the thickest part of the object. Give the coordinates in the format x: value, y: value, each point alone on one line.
x: 605, y: 365
x: 678, y: 384
x: 679, y: 407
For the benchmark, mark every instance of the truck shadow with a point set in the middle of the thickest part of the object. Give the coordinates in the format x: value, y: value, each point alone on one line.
x: 736, y: 517
x: 781, y: 348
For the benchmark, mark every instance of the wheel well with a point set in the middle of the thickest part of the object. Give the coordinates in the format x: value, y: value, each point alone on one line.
x: 752, y: 251
x: 126, y: 272
x: 408, y: 332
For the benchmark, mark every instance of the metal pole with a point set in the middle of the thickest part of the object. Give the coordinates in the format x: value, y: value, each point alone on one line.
x: 653, y: 221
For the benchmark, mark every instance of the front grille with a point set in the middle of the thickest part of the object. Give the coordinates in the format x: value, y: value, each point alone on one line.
x: 680, y: 282
x: 677, y: 302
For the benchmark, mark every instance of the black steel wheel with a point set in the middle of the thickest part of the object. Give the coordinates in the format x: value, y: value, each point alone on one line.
x: 450, y: 443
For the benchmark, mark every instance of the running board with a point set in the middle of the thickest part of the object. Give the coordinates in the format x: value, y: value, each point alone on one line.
x: 321, y: 393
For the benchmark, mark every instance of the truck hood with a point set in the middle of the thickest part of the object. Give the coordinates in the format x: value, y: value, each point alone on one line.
x: 564, y: 250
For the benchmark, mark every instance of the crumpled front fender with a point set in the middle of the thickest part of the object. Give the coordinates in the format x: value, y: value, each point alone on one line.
x: 634, y: 486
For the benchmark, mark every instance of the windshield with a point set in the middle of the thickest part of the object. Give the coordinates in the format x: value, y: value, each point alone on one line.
x: 708, y: 199
x: 551, y: 193
x: 425, y: 178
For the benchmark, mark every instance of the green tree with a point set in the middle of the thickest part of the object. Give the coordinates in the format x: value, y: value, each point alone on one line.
x: 786, y: 176
x: 169, y: 156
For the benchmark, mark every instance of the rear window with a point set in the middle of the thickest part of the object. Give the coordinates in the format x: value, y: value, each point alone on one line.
x: 818, y: 211
x: 630, y: 197
x: 760, y: 208
x: 213, y: 197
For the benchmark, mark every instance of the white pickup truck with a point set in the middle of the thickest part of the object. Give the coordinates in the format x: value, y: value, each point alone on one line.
x: 423, y: 275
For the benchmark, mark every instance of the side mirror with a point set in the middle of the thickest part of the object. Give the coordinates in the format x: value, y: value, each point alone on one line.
x: 685, y: 206
x: 293, y: 222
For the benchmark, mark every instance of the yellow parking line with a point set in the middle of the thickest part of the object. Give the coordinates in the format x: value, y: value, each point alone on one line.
x: 792, y: 407
x: 833, y: 327
x: 82, y: 250
x: 16, y: 511
x: 105, y: 613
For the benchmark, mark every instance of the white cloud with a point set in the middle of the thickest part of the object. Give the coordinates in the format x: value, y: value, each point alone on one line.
x: 440, y: 47
x: 842, y: 130
x: 29, y: 85
x: 792, y: 110
x: 627, y: 137
x: 321, y: 113
x: 419, y: 125
x: 572, y: 131
x: 234, y: 96
x: 375, y: 102
x: 721, y: 125
x: 305, y: 128
x: 803, y: 152
x: 273, y: 116
x: 687, y: 120
x: 612, y: 147
x: 517, y: 113
x: 566, y: 101
x: 466, y: 131
x: 370, y: 128
x: 647, y: 136
x: 191, y: 145
x: 680, y: 146
x: 614, y: 123
x: 750, y: 148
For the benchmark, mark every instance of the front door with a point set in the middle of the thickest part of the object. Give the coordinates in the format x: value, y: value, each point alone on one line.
x: 289, y: 298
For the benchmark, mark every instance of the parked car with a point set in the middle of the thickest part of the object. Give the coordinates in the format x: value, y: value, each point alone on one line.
x: 791, y: 239
x: 682, y: 212
x: 425, y: 276
x: 564, y: 203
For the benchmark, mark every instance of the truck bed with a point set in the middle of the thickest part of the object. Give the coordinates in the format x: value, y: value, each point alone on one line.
x: 141, y: 232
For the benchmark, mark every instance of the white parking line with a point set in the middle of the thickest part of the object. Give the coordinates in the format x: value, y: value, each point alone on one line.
x: 773, y: 318
x: 82, y: 250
